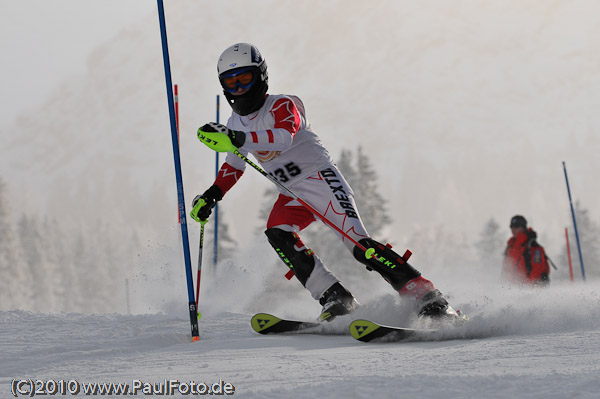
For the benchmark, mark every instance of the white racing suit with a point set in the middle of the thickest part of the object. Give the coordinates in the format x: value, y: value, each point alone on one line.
x: 280, y: 138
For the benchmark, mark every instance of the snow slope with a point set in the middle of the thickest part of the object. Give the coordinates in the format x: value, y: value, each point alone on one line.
x: 520, y: 344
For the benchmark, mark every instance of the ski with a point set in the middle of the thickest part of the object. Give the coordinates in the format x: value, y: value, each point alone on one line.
x: 359, y: 329
x: 366, y: 331
x: 265, y: 323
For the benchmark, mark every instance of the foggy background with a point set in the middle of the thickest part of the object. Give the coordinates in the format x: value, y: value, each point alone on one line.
x: 466, y: 109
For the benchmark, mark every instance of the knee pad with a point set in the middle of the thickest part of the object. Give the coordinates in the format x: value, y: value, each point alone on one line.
x: 391, y: 266
x: 292, y: 251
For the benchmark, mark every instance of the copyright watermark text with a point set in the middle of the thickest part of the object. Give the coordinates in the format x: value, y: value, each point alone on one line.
x: 31, y: 387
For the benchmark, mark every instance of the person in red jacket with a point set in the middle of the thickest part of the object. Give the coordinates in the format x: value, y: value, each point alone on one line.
x: 525, y: 261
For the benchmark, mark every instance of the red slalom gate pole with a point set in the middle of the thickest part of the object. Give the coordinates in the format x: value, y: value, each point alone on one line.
x: 569, y: 254
x: 199, y: 276
x: 176, y: 98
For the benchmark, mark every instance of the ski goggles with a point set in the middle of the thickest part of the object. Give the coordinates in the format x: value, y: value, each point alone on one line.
x: 243, y: 78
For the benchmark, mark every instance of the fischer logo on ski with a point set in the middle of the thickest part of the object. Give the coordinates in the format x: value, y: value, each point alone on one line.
x: 360, y: 330
x: 264, y: 323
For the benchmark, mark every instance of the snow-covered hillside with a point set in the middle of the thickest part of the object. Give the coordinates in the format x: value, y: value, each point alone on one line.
x: 521, y: 344
x: 468, y: 105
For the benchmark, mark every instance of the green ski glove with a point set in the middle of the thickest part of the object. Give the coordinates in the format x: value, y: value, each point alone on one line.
x: 221, y: 139
x: 202, y: 205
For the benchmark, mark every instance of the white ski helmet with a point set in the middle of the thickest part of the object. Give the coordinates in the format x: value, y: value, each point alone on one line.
x: 241, y: 65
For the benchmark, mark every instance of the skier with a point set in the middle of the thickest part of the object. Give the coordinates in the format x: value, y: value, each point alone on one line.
x: 525, y: 261
x: 274, y: 129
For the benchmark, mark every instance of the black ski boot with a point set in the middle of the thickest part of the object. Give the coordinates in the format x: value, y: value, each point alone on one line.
x: 336, y: 301
x: 433, y: 305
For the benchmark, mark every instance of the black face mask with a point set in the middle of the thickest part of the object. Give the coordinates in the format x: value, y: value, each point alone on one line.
x: 250, y: 101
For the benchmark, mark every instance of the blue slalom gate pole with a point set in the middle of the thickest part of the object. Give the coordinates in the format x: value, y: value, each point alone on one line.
x: 574, y: 222
x: 184, y: 232
x: 216, y: 240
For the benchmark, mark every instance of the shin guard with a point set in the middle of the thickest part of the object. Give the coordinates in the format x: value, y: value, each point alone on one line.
x: 391, y: 266
x: 292, y: 252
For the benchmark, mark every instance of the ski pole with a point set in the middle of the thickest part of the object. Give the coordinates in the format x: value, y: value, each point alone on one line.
x: 369, y: 252
x: 200, y: 250
x: 574, y: 222
x: 552, y: 263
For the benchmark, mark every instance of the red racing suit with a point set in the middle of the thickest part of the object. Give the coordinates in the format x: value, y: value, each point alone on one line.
x: 525, y: 260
